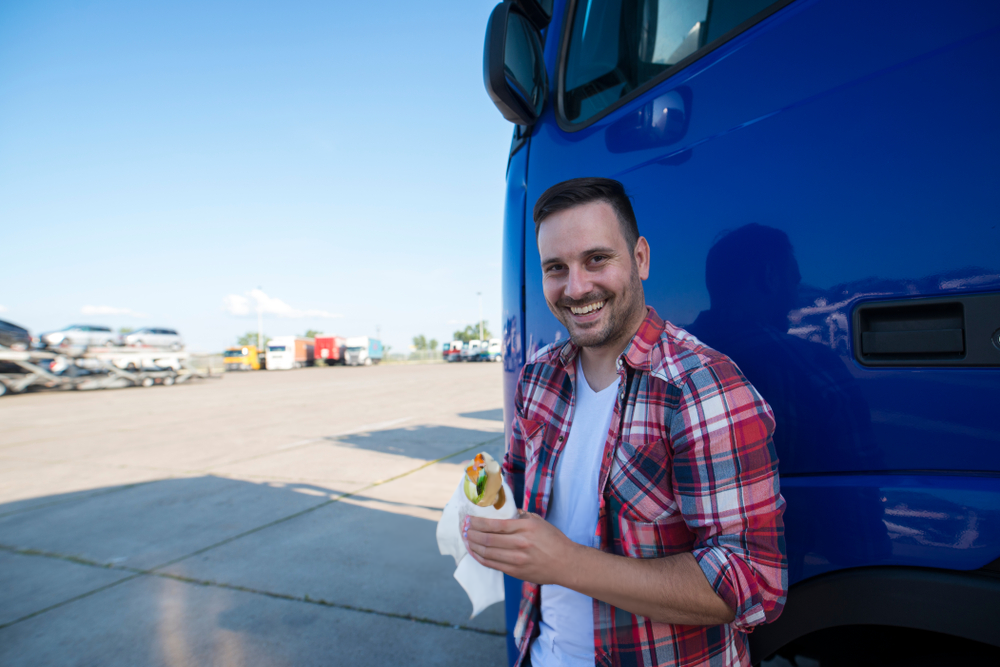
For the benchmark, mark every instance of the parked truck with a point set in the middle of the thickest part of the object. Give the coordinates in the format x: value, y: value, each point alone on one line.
x: 470, y: 351
x: 822, y: 215
x: 287, y: 352
x: 241, y: 358
x: 329, y: 349
x: 452, y: 351
x: 363, y: 351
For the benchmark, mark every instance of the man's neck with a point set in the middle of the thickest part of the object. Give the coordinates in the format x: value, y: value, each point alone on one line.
x: 600, y: 364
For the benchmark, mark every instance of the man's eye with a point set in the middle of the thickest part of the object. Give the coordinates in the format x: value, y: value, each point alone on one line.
x: 597, y: 259
x: 554, y: 268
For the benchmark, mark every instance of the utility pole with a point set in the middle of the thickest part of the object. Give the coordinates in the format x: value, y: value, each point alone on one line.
x: 480, y: 295
x: 260, y: 326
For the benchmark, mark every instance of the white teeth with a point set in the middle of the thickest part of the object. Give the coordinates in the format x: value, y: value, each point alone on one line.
x: 589, y: 308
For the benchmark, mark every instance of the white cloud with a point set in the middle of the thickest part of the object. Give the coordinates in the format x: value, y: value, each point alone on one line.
x: 234, y: 304
x: 110, y: 310
x: 241, y: 306
x: 3, y: 309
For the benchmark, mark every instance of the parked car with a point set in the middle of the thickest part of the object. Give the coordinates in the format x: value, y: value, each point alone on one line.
x: 155, y: 337
x: 13, y: 336
x: 81, y: 334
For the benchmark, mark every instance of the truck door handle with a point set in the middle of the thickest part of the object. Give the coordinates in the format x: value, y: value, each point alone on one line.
x: 963, y: 330
x: 927, y: 341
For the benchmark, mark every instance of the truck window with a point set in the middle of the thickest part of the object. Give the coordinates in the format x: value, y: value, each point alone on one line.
x: 275, y: 348
x: 616, y: 46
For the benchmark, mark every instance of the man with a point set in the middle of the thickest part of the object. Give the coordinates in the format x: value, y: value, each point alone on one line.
x: 651, y: 531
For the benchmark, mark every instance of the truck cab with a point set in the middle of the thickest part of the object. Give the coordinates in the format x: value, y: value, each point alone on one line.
x: 241, y: 358
x: 452, y: 351
x: 470, y: 350
x: 363, y: 351
x: 816, y: 180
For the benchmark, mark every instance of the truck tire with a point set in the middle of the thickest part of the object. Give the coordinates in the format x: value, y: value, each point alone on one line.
x: 368, y: 361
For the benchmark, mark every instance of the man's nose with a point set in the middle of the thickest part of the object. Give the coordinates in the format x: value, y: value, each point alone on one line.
x: 578, y: 284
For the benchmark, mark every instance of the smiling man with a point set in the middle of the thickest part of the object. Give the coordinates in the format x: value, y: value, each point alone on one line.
x: 651, y: 531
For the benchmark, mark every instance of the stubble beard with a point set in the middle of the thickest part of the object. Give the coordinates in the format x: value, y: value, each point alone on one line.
x: 621, y: 310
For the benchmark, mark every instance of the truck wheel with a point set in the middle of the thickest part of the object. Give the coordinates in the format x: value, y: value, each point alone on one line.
x: 148, y: 382
x: 368, y: 361
x: 167, y: 381
x: 3, y: 389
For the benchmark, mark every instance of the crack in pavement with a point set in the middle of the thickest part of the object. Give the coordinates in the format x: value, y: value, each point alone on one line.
x: 136, y: 573
x: 154, y: 571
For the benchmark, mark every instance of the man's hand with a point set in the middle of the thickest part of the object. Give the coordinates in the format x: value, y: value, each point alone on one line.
x: 528, y: 547
x: 672, y: 589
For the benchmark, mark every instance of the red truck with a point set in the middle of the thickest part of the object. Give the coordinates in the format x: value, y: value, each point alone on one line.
x: 329, y: 350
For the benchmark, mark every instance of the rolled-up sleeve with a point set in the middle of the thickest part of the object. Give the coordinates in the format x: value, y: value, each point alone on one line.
x: 725, y: 476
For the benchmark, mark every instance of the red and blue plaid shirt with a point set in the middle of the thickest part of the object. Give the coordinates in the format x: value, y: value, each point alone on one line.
x: 688, y: 466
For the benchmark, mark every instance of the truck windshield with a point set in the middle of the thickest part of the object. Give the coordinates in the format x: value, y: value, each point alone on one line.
x: 233, y: 353
x: 275, y: 348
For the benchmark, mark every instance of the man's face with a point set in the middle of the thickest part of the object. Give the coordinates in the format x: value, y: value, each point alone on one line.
x: 592, y: 283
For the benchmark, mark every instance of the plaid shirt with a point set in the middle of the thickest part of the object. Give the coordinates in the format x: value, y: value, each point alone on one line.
x: 688, y: 466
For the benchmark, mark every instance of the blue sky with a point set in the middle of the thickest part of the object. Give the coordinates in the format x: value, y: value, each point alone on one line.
x: 161, y: 161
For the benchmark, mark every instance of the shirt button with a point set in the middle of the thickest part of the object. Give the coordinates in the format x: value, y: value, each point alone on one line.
x: 560, y: 438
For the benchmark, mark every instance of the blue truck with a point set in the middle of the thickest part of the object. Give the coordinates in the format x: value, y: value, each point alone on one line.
x: 820, y: 185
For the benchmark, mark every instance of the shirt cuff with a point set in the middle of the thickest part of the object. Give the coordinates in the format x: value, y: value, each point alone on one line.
x: 733, y: 581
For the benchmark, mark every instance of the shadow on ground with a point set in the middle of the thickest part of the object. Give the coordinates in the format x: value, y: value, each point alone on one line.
x: 422, y: 442
x: 495, y: 415
x: 211, y: 570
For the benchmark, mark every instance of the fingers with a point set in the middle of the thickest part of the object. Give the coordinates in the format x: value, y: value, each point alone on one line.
x: 497, y: 557
x: 495, y: 541
x: 499, y: 526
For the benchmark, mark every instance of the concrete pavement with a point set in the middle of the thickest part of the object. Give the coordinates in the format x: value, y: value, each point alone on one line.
x: 266, y: 518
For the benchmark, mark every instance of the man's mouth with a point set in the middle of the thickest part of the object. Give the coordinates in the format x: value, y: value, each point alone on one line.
x: 589, y: 308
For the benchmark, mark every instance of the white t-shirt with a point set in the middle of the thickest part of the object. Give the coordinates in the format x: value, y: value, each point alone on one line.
x: 567, y: 624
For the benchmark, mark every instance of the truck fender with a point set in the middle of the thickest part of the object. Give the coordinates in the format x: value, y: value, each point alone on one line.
x: 961, y: 604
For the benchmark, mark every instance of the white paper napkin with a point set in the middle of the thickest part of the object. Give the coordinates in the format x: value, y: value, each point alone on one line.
x: 483, y: 585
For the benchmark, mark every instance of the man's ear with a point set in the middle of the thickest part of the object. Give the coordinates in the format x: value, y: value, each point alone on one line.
x: 641, y: 256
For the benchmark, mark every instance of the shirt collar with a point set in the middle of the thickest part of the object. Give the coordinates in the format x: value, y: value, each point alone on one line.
x: 637, y: 352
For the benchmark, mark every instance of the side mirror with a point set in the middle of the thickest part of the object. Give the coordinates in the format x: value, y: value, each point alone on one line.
x: 539, y: 11
x: 513, y: 68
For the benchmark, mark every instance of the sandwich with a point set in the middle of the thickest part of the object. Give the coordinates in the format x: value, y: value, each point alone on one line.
x: 484, y: 482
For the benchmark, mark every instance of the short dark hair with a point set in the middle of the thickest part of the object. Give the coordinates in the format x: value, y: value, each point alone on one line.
x: 580, y: 191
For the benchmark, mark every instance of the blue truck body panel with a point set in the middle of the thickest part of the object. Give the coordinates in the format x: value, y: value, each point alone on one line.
x: 867, y: 132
